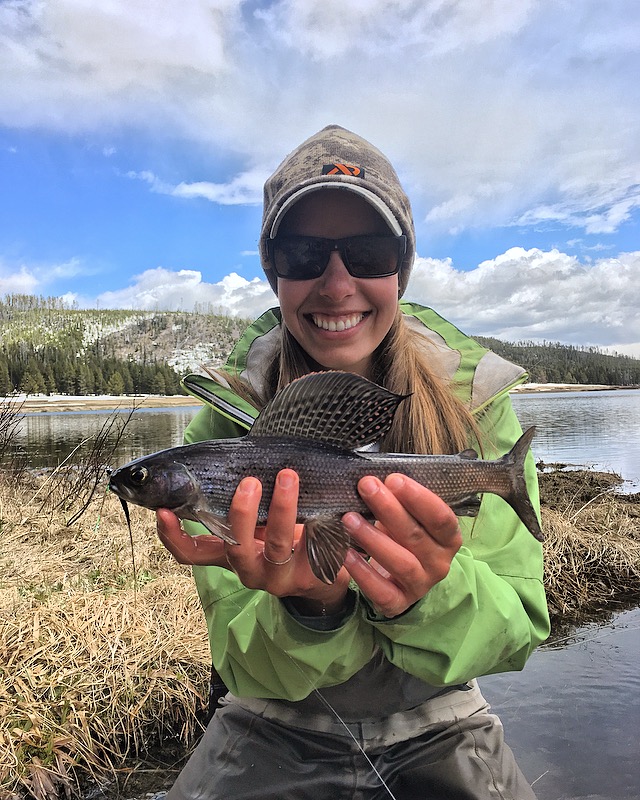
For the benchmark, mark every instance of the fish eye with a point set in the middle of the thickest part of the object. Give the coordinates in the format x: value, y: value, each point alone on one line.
x: 139, y: 475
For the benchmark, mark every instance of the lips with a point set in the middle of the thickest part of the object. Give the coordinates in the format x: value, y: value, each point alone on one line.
x: 334, y: 324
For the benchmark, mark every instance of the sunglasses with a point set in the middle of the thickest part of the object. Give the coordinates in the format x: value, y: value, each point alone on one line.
x: 302, y: 258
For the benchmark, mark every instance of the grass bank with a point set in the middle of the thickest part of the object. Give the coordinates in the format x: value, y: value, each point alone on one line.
x: 99, y: 665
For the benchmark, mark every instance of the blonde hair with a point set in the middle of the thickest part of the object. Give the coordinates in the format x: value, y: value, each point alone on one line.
x: 431, y: 420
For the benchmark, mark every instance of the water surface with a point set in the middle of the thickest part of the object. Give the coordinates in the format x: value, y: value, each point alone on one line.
x: 598, y: 429
x: 572, y: 717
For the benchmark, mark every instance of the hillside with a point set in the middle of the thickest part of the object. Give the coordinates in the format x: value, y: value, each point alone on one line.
x: 552, y: 362
x: 46, y: 347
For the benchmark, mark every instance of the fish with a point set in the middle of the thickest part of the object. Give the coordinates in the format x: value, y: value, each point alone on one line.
x: 320, y: 426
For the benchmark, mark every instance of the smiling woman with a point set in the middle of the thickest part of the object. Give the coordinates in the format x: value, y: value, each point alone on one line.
x: 407, y: 619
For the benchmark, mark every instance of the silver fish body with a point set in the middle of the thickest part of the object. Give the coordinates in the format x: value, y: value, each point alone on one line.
x: 198, y: 481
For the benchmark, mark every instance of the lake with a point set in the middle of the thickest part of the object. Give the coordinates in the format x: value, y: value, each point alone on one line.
x: 572, y: 716
x: 599, y: 429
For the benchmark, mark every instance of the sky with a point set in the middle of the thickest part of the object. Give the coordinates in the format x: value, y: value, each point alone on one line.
x: 135, y: 136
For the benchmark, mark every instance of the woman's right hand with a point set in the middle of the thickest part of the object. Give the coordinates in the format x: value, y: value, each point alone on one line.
x: 272, y: 558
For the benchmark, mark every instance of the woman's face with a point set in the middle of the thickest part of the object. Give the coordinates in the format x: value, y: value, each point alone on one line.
x: 337, y: 319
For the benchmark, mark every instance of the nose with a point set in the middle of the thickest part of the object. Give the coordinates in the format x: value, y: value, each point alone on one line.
x: 336, y: 281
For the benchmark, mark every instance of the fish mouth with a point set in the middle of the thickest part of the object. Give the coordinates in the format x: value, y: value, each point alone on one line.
x: 121, y: 490
x: 334, y: 323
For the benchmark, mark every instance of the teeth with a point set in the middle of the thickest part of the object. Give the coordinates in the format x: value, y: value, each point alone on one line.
x: 336, y: 325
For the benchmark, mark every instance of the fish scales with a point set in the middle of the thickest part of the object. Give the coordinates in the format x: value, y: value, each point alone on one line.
x: 198, y: 481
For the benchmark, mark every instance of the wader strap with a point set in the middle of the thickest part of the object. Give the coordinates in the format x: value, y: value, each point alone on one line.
x: 217, y: 689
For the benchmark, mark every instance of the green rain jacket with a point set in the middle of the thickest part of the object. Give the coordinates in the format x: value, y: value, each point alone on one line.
x: 486, y: 616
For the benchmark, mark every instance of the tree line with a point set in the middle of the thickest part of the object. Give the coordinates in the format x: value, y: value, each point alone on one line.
x: 552, y: 362
x: 54, y: 370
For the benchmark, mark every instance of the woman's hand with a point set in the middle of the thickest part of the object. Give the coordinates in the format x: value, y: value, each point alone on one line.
x: 272, y: 558
x: 411, y: 547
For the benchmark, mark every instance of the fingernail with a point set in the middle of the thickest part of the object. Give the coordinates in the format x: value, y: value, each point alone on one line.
x: 368, y: 486
x: 394, y: 482
x: 247, y: 486
x: 352, y: 521
x: 285, y: 480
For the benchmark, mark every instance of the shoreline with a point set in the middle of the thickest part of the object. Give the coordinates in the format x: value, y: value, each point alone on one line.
x: 41, y: 404
x: 567, y: 387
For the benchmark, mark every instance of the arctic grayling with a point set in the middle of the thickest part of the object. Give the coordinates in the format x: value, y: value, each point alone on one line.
x: 315, y: 426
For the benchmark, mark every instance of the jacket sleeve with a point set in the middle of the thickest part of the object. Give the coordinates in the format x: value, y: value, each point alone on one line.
x: 257, y: 647
x: 490, y: 612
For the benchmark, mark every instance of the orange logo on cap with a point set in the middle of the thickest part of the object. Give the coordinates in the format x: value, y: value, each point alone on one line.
x: 343, y: 169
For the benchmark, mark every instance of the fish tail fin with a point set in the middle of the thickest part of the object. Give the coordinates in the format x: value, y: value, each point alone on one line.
x: 518, y: 498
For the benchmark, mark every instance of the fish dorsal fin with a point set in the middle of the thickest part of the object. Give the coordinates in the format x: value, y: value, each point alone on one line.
x: 338, y: 408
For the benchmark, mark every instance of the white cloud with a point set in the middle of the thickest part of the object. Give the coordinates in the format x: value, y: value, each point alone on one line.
x: 536, y: 295
x: 37, y: 277
x: 496, y: 113
x: 21, y: 281
x: 244, y: 189
x: 329, y: 29
x: 185, y: 290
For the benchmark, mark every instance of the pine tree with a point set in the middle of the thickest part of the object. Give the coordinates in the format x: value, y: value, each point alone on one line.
x: 6, y: 387
x: 115, y: 384
x: 32, y: 381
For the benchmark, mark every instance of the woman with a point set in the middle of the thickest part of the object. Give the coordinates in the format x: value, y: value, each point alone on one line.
x: 365, y: 687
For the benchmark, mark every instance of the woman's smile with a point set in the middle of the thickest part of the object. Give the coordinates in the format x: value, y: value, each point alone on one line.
x: 335, y: 323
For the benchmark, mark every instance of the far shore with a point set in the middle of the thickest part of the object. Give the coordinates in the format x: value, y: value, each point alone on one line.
x: 568, y: 387
x: 42, y: 403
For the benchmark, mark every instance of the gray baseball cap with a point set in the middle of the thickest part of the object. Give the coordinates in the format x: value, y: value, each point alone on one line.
x: 338, y: 159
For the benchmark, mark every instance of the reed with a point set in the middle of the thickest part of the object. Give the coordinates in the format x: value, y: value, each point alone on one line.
x: 96, y: 668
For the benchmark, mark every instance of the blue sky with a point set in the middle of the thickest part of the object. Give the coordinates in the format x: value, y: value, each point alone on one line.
x: 135, y: 138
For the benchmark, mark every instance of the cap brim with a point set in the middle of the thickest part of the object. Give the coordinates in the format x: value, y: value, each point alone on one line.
x: 379, y: 205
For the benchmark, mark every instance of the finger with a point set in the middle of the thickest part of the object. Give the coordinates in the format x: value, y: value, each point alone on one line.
x: 401, y: 564
x: 427, y: 508
x: 243, y: 515
x: 385, y: 596
x: 194, y: 550
x: 410, y: 511
x: 281, y: 521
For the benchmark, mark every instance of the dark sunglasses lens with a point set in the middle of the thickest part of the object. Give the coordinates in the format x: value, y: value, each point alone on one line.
x: 372, y: 256
x: 300, y: 258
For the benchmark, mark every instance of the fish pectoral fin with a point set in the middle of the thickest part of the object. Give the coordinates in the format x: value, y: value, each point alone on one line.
x: 469, y: 454
x: 327, y: 541
x: 214, y: 524
x: 467, y: 506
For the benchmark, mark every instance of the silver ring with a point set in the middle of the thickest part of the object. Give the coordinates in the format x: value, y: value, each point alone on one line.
x: 276, y: 563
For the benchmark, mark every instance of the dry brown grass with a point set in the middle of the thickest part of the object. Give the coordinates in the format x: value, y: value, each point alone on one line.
x: 592, y: 542
x: 94, y: 670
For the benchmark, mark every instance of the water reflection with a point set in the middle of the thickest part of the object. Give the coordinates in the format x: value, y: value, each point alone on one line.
x: 44, y: 440
x: 572, y: 716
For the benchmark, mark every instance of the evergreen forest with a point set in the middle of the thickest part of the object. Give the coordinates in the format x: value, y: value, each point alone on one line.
x: 48, y: 348
x: 552, y: 362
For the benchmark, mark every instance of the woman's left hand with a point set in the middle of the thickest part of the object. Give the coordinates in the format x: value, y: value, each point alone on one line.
x: 411, y: 547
